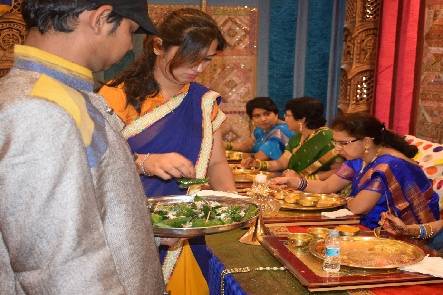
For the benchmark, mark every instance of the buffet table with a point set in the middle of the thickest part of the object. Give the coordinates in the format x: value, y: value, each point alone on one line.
x: 229, y: 253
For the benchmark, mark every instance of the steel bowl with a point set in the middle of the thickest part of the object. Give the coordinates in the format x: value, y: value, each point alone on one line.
x: 319, y: 232
x: 299, y: 239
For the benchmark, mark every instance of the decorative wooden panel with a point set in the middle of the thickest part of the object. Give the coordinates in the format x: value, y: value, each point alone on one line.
x: 12, y: 31
x: 359, y: 55
x: 429, y: 120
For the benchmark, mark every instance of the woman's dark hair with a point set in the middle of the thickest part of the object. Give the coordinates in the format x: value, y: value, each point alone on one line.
x: 360, y: 125
x: 61, y: 15
x: 191, y: 30
x: 265, y: 103
x: 309, y: 108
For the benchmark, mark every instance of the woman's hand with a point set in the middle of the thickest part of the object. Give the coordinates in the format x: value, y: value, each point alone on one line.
x: 249, y: 163
x: 392, y: 224
x: 290, y: 173
x: 167, y: 166
x: 293, y: 182
x: 171, y: 242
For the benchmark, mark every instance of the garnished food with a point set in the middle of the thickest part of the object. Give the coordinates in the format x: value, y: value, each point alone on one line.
x: 187, y: 182
x: 200, y: 213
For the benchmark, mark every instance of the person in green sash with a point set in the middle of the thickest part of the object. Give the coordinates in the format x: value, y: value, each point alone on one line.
x: 309, y: 153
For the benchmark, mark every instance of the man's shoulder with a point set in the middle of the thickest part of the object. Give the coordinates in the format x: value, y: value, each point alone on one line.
x: 16, y: 86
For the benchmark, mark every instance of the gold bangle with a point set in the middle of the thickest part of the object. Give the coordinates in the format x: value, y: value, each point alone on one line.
x: 263, y: 165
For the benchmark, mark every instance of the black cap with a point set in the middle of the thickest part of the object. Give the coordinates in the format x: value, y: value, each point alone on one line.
x: 136, y: 10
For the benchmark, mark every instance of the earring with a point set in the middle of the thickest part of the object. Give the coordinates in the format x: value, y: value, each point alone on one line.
x: 301, y: 126
x: 366, y: 150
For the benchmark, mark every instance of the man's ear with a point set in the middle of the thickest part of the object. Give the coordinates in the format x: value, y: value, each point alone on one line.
x: 97, y: 18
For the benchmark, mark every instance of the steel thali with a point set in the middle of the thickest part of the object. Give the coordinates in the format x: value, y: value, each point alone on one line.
x: 371, y: 252
x: 188, y: 232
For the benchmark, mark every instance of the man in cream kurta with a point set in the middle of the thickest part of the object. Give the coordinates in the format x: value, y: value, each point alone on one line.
x: 72, y: 212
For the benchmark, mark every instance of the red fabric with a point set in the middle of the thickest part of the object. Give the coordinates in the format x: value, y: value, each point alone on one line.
x: 404, y: 88
x: 385, y: 63
x: 395, y: 74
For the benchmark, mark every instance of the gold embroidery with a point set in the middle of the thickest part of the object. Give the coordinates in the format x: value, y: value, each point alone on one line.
x: 218, y: 120
x: 201, y: 166
x: 150, y: 118
x: 317, y: 164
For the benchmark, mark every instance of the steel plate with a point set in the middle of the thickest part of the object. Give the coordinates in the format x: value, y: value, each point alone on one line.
x: 371, y: 252
x: 198, y: 231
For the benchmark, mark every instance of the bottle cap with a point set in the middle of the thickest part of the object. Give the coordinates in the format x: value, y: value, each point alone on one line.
x: 334, y: 233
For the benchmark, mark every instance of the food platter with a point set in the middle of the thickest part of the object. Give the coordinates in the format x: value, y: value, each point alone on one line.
x: 296, y: 200
x: 371, y: 252
x: 197, y: 224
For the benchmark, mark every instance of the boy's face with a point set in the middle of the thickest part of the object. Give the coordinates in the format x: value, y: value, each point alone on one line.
x: 112, y: 46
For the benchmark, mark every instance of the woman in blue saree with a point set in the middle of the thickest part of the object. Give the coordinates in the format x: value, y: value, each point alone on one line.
x: 270, y: 134
x: 172, y: 126
x: 380, y: 169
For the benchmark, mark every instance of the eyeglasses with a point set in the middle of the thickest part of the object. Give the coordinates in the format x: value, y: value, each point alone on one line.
x: 344, y: 142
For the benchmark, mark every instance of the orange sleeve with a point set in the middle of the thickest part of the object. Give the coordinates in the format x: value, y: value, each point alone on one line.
x: 115, y: 97
x: 214, y: 112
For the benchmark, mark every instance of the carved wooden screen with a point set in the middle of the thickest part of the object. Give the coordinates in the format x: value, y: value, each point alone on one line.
x: 12, y: 31
x: 359, y: 55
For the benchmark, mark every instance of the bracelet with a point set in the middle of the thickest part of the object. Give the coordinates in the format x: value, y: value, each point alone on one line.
x: 312, y: 177
x: 303, y: 184
x: 263, y: 165
x: 423, y: 232
x: 142, y: 165
x: 430, y: 232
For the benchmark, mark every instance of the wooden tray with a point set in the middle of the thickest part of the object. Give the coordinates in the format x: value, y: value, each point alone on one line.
x: 307, y: 269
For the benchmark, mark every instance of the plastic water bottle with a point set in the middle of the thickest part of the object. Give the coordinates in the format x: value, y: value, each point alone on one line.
x: 332, y: 252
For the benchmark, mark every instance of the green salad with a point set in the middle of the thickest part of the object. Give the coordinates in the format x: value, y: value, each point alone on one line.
x: 200, y: 213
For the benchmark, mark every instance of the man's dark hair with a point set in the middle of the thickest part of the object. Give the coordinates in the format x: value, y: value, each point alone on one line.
x: 61, y: 15
x: 265, y: 103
